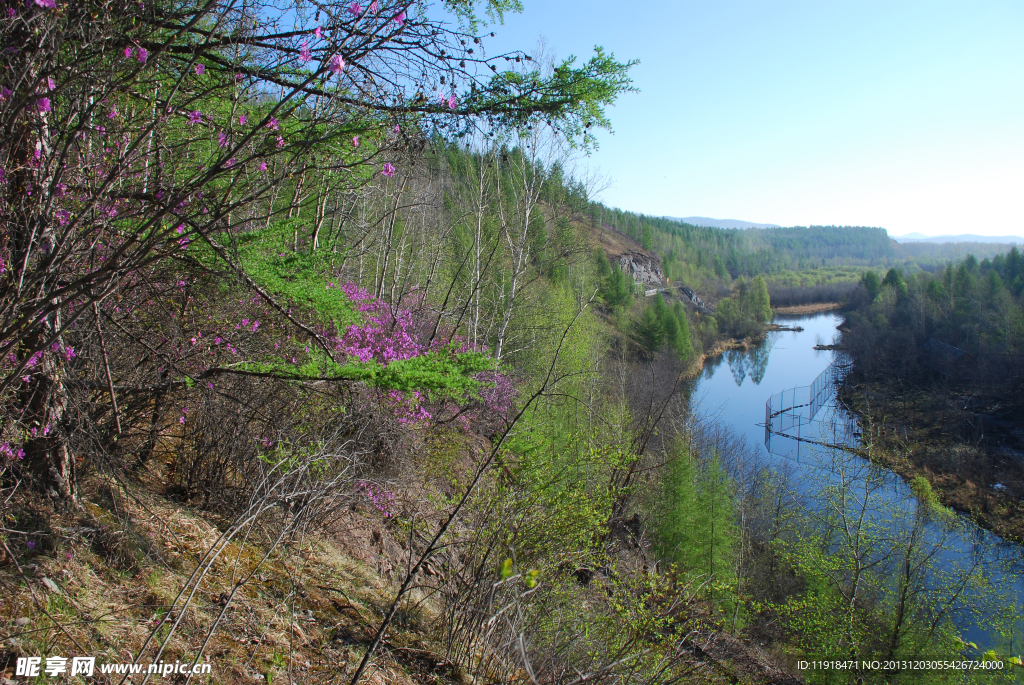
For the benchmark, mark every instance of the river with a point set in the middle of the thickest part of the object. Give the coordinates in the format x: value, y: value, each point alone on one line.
x: 733, y: 390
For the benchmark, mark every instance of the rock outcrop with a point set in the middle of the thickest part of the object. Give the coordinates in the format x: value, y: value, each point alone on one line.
x: 643, y: 268
x: 698, y: 304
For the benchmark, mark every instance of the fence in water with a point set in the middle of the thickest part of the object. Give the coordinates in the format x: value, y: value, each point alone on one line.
x: 798, y: 406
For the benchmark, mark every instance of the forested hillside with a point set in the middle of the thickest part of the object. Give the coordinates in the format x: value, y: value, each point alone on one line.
x: 823, y: 255
x: 939, y: 365
x: 312, y: 370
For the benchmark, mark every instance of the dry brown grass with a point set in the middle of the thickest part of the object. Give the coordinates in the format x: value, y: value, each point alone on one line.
x: 120, y: 562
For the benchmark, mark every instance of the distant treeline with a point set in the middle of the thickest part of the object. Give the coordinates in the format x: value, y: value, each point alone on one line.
x: 699, y: 254
x: 789, y: 296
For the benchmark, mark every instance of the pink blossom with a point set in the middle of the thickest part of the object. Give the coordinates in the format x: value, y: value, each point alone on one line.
x: 143, y: 55
x: 180, y: 229
x: 200, y: 69
x: 317, y: 32
x: 49, y: 4
x: 381, y: 499
x: 263, y: 166
x: 397, y: 129
x: 43, y: 104
x: 113, y: 113
x: 230, y: 163
x: 355, y: 8
x: 5, y: 93
x: 451, y: 103
x: 280, y: 142
x: 400, y: 19
x: 337, y: 64
x: 222, y: 139
x: 241, y: 120
x: 388, y: 170
x: 304, y: 54
x: 127, y: 52
x: 355, y: 141
x: 375, y: 6
x: 272, y: 125
x: 195, y: 117
x: 50, y: 83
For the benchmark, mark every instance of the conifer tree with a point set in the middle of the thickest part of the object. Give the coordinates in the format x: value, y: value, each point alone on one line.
x: 683, y: 344
x: 649, y: 331
x: 698, y: 528
x: 759, y: 306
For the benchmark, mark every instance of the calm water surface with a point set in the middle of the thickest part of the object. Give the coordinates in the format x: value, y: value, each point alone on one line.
x: 733, y: 390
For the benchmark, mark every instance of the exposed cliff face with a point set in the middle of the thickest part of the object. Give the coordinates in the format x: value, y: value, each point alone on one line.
x: 643, y: 265
x: 643, y: 268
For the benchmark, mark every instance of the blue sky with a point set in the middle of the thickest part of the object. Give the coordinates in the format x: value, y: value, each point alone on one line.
x: 905, y: 115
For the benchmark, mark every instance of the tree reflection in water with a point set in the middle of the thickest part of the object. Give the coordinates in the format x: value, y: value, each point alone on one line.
x: 752, y: 362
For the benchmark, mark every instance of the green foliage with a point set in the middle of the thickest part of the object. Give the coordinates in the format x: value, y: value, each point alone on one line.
x: 758, y: 303
x: 698, y: 528
x: 874, y: 581
x: 649, y: 332
x: 299, y: 278
x: 746, y: 310
x: 660, y: 325
x: 872, y: 283
x: 682, y: 342
x: 794, y: 257
x: 647, y: 237
x: 614, y: 286
x: 575, y: 95
x: 894, y: 279
x: 975, y: 306
x: 442, y: 374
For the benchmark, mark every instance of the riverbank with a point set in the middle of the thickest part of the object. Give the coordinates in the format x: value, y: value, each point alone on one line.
x: 720, y: 347
x: 910, y: 436
x: 805, y: 309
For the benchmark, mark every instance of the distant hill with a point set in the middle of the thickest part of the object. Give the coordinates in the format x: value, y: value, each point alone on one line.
x: 963, y: 238
x: 719, y: 223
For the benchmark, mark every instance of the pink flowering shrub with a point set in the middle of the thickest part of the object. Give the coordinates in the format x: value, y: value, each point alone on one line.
x: 384, y: 335
x: 389, y: 334
x: 381, y: 498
